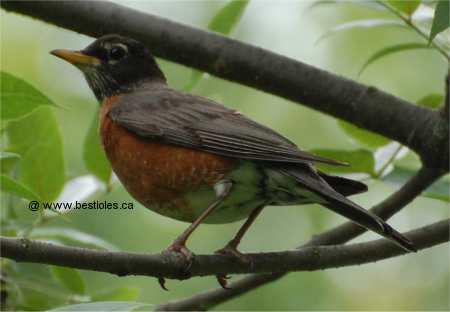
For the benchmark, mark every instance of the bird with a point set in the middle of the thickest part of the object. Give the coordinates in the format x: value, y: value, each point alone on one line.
x: 195, y: 160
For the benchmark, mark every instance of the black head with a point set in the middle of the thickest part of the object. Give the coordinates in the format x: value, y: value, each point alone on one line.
x: 114, y: 64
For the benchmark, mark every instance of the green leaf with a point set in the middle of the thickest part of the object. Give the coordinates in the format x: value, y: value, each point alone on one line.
x: 359, y: 160
x: 406, y: 6
x: 37, y: 138
x: 195, y: 78
x: 32, y: 299
x: 70, y: 236
x: 8, y: 185
x: 105, y: 306
x: 364, y: 3
x: 438, y: 190
x: 8, y: 161
x: 361, y: 24
x: 19, y: 98
x: 390, y: 50
x: 433, y: 100
x: 8, y: 155
x: 365, y: 137
x: 118, y: 294
x: 69, y: 278
x: 93, y: 154
x: 33, y: 288
x: 441, y: 19
x: 227, y: 18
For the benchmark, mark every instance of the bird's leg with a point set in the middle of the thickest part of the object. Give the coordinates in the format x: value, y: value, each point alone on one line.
x: 231, y: 247
x: 179, y: 244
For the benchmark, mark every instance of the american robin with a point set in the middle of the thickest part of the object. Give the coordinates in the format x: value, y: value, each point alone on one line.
x: 192, y: 159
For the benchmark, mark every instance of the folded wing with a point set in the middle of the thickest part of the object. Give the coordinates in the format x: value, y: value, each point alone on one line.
x: 198, y: 123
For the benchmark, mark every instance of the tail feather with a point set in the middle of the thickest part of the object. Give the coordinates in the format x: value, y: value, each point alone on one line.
x: 338, y: 203
x: 342, y: 185
x: 370, y: 221
x: 399, y: 238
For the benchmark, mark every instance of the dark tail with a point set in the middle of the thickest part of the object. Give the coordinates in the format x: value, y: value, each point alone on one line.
x: 370, y: 221
x: 344, y: 186
x: 319, y: 183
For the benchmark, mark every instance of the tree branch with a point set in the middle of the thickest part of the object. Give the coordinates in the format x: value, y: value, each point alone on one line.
x: 421, y: 129
x: 171, y: 265
x: 339, y: 235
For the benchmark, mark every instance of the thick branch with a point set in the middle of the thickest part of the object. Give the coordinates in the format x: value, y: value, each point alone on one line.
x: 339, y: 235
x: 421, y: 129
x: 173, y: 266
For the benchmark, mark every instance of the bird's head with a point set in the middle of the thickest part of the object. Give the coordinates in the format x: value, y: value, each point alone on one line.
x: 114, y: 64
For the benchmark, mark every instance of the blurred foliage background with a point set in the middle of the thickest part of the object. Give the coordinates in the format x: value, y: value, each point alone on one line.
x: 56, y: 146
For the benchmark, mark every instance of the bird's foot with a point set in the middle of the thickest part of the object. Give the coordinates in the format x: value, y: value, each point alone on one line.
x: 230, y: 250
x: 178, y: 247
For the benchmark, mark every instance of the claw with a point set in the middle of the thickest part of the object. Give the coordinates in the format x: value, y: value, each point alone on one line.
x: 162, y: 283
x: 230, y: 250
x: 223, y: 281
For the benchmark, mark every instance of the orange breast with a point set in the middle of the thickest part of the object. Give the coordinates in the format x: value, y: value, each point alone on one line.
x: 158, y: 175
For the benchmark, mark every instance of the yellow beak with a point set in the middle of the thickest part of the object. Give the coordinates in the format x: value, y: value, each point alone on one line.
x: 76, y: 57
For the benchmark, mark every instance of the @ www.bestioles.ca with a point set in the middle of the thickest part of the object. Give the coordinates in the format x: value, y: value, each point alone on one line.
x: 35, y: 205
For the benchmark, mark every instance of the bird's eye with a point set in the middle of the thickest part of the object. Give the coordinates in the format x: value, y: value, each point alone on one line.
x: 116, y: 53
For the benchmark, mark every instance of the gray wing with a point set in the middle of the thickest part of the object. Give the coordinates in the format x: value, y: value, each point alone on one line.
x: 199, y: 123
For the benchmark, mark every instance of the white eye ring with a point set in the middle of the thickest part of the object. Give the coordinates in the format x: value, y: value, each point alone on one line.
x: 121, y: 45
x: 117, y: 52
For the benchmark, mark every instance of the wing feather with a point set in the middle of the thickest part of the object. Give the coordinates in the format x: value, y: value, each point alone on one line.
x: 195, y: 122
